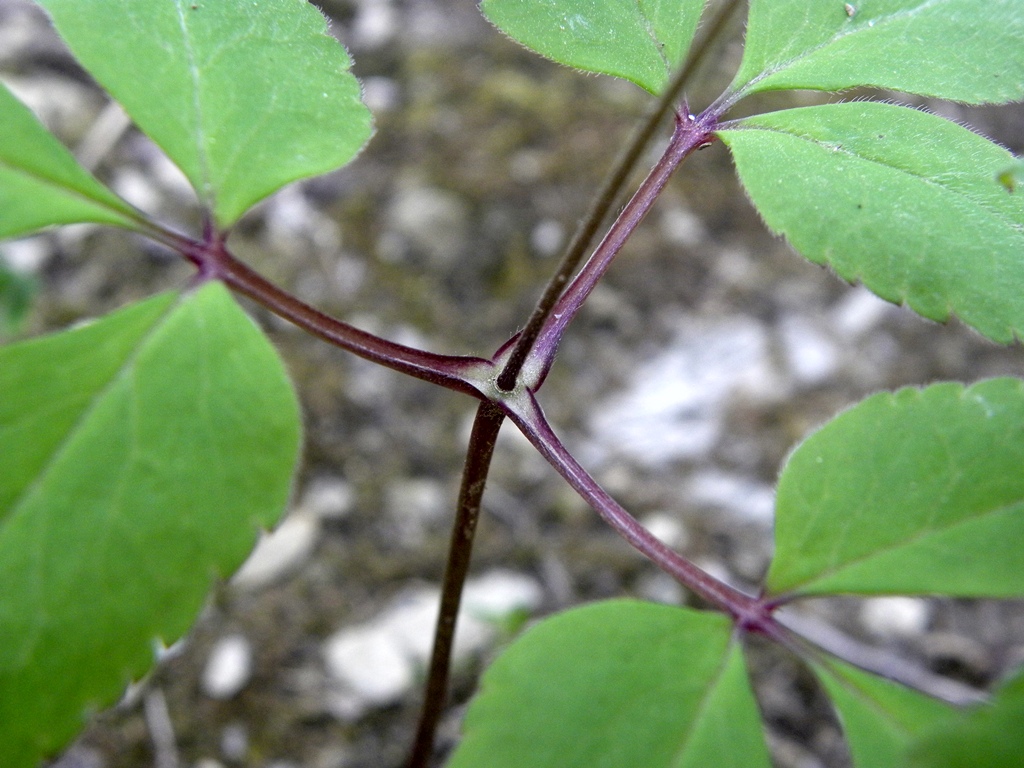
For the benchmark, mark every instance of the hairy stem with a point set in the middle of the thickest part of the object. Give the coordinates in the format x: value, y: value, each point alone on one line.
x: 689, y: 135
x: 474, y: 476
x: 462, y: 374
x: 751, y: 614
x: 610, y: 190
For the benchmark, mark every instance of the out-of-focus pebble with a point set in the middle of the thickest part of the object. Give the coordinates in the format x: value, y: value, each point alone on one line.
x: 279, y: 552
x: 414, y: 505
x: 547, y: 237
x: 381, y: 94
x: 228, y: 668
x: 859, y: 311
x: 496, y: 594
x: 67, y: 108
x: 673, y: 407
x: 894, y: 618
x: 660, y: 588
x: 426, y: 220
x: 28, y: 255
x: 811, y: 356
x: 745, y: 498
x: 681, y: 226
x: 333, y: 756
x: 375, y: 23
x: 328, y: 498
x: 234, y: 742
x: 137, y: 188
x: 376, y: 663
x: 667, y: 528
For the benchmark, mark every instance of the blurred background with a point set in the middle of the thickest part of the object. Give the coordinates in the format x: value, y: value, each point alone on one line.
x: 696, y: 366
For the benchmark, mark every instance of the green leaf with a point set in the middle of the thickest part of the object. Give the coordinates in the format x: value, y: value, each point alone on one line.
x: 244, y: 96
x: 989, y: 735
x: 613, y: 684
x: 901, y: 200
x: 880, y: 718
x: 42, y: 184
x: 917, y: 492
x: 962, y: 50
x: 642, y: 41
x: 141, y: 453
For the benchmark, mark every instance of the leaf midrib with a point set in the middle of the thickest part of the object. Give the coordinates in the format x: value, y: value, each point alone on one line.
x: 903, y: 543
x: 51, y: 182
x: 197, y: 109
x: 704, y: 704
x: 86, y: 413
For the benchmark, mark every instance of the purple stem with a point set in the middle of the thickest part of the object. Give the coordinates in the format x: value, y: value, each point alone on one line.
x: 607, y: 195
x: 469, y: 375
x: 751, y: 614
x: 691, y: 133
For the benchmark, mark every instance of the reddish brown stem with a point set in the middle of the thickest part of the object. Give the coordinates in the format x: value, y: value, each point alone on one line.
x: 468, y: 375
x: 474, y: 476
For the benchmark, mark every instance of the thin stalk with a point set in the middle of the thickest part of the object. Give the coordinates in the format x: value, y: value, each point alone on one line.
x: 462, y: 374
x: 474, y: 476
x: 824, y: 642
x: 750, y: 613
x: 609, y: 192
x: 689, y: 135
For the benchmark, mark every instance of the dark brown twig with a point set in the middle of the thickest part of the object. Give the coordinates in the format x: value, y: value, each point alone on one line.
x: 474, y: 476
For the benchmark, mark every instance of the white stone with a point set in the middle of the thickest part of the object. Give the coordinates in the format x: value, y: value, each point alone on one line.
x: 170, y: 177
x: 234, y: 742
x: 371, y: 662
x: 105, y: 132
x: 415, y: 505
x: 893, y: 618
x: 66, y: 107
x: 28, y: 255
x: 381, y: 94
x: 667, y: 528
x: 378, y: 662
x: 228, y: 668
x: 859, y: 311
x: 499, y: 593
x: 137, y: 188
x: 673, y: 407
x: 811, y: 356
x: 746, y: 498
x: 429, y: 219
x: 527, y: 165
x: 375, y: 23
x: 328, y: 498
x: 547, y: 237
x: 660, y: 588
x: 280, y: 552
x: 681, y: 226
